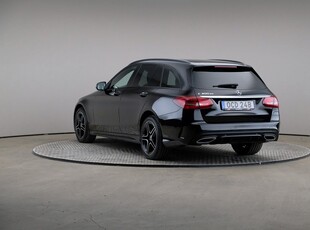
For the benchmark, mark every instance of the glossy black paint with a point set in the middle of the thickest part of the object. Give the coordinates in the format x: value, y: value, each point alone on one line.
x: 119, y: 112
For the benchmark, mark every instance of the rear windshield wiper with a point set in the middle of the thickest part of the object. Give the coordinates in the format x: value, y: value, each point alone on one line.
x: 232, y: 86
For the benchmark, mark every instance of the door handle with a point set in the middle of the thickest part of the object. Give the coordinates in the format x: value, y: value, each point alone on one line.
x: 144, y: 94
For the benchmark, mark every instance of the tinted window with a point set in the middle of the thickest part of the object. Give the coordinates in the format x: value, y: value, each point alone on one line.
x: 149, y: 75
x: 123, y: 78
x: 210, y: 79
x: 170, y: 79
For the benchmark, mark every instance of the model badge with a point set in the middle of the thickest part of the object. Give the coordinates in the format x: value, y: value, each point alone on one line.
x: 206, y: 93
x: 238, y: 92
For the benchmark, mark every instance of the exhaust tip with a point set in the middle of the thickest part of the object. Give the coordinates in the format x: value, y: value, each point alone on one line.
x: 206, y: 140
x: 270, y: 137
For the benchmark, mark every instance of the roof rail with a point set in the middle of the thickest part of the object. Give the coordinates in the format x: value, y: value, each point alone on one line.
x: 184, y: 61
x: 161, y: 59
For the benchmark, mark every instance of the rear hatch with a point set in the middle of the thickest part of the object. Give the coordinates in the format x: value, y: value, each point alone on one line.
x: 237, y: 94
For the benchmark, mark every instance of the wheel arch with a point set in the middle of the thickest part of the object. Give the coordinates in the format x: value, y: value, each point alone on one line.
x: 145, y: 115
x: 78, y: 106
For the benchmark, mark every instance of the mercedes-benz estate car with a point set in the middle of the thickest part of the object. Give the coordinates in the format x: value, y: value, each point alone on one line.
x: 163, y: 103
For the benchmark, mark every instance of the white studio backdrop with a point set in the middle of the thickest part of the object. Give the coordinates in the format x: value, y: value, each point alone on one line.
x: 53, y: 52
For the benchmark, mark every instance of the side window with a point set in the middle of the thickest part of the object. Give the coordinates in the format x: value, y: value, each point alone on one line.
x: 149, y: 75
x: 123, y: 78
x: 170, y: 79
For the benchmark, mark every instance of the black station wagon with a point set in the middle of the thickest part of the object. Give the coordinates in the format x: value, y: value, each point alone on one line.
x: 162, y: 103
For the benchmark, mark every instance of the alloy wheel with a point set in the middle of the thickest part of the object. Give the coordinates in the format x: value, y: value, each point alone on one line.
x: 80, y: 125
x: 149, y: 137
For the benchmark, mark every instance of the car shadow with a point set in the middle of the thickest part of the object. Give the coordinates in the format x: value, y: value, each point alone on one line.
x: 213, y: 154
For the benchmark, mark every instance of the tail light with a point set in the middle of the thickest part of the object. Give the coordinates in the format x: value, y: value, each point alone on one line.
x: 193, y: 102
x: 271, y: 102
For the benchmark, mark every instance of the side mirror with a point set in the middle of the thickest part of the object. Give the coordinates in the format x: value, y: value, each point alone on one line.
x: 101, y: 86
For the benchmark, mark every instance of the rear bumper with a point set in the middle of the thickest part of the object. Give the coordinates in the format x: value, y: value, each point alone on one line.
x: 249, y: 136
x: 200, y: 133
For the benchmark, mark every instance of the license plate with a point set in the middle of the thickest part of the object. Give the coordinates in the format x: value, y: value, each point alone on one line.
x: 237, y: 105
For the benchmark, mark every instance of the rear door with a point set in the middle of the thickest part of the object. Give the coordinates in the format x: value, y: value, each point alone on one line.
x: 133, y: 98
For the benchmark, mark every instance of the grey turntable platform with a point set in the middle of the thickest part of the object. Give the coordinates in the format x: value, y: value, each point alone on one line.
x: 109, y: 152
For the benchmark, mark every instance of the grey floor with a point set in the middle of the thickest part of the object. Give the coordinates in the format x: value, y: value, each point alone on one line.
x: 38, y: 193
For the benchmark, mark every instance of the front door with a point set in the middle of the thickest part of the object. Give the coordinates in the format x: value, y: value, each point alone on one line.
x: 106, y: 110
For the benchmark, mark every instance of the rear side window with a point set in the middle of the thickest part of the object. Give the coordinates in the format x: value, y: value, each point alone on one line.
x: 211, y: 78
x: 170, y: 79
x: 153, y: 75
x: 149, y: 75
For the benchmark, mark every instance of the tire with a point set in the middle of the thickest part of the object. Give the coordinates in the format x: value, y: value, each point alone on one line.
x: 81, y: 127
x: 247, y: 148
x: 151, y: 139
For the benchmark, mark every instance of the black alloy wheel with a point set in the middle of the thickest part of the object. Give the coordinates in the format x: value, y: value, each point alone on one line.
x: 81, y: 127
x: 151, y: 139
x: 247, y: 148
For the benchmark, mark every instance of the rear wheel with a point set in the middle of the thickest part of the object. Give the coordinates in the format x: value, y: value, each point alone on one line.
x: 247, y: 148
x: 81, y: 127
x: 151, y: 139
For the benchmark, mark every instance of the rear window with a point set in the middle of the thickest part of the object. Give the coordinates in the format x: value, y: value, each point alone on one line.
x: 217, y: 78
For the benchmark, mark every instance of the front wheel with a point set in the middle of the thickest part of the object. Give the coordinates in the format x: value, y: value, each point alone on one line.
x: 151, y: 139
x: 81, y: 127
x: 247, y: 148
